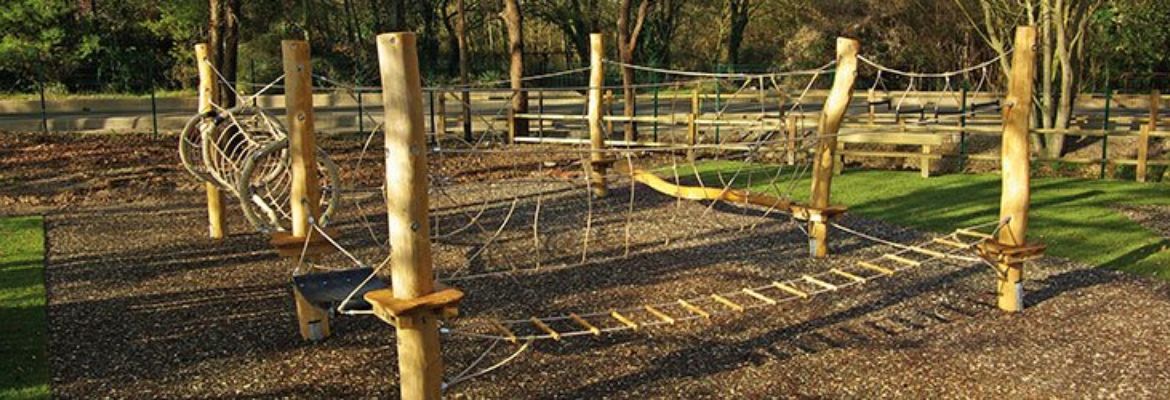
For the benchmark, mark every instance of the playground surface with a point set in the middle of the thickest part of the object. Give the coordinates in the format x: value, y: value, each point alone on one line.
x: 141, y: 304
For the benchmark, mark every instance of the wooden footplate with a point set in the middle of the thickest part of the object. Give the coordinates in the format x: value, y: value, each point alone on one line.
x: 291, y: 246
x: 994, y: 251
x: 444, y: 302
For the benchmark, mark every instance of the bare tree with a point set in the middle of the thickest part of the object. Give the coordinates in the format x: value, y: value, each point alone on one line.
x: 627, y: 45
x: 514, y: 20
x: 464, y: 68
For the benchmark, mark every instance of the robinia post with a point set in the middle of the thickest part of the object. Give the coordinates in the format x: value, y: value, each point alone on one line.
x: 207, y: 91
x: 305, y: 193
x: 596, y: 131
x: 835, y: 107
x: 412, y: 305
x: 1010, y: 249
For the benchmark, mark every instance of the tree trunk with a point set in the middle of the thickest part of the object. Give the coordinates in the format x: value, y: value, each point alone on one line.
x: 464, y: 68
x: 627, y: 45
x: 223, y: 34
x: 739, y: 15
x: 1047, y: 75
x: 514, y: 20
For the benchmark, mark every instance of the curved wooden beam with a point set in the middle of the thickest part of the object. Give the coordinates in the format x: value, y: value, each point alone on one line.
x: 731, y: 196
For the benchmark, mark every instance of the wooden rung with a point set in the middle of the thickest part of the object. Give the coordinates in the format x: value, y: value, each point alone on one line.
x: 585, y: 324
x: 760, y: 296
x: 790, y: 289
x: 661, y: 315
x: 622, y: 318
x: 971, y: 233
x: 875, y: 267
x: 820, y: 283
x: 692, y: 308
x: 847, y: 275
x: 902, y: 260
x: 544, y: 327
x: 727, y: 302
x: 929, y: 252
x: 951, y: 243
x: 504, y: 330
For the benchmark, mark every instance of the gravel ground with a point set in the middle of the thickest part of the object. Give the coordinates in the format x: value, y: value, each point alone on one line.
x: 141, y: 305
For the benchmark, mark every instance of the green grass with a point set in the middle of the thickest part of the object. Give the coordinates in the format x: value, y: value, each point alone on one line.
x: 24, y: 372
x: 1076, y: 218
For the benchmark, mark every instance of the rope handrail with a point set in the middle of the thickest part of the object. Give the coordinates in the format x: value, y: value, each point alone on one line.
x: 724, y: 75
x: 946, y: 74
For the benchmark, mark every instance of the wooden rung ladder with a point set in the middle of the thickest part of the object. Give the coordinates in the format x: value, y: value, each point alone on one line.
x: 547, y: 329
x: 929, y: 252
x: 875, y: 267
x: 847, y: 275
x: 818, y: 282
x: 790, y: 289
x: 585, y: 324
x: 727, y: 302
x: 760, y: 296
x: 504, y: 330
x: 694, y: 309
x: 901, y: 260
x: 624, y: 320
x: 661, y: 315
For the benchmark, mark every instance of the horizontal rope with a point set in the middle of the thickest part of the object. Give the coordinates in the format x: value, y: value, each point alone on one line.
x: 724, y: 75
x: 947, y: 74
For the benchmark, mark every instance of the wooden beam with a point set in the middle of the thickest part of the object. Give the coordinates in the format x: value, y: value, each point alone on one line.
x: 759, y: 296
x: 1016, y: 165
x: 625, y: 321
x: 1144, y: 138
x: 661, y: 315
x: 727, y: 302
x: 692, y: 125
x: 848, y: 275
x: 298, y: 94
x: 208, y: 91
x: 504, y: 331
x: 419, y: 364
x: 951, y: 243
x: 585, y: 324
x: 597, y: 134
x: 901, y: 260
x: 694, y: 309
x: 836, y: 106
x: 790, y: 151
x: 875, y: 267
x: 791, y: 290
x: 547, y: 329
x: 818, y: 282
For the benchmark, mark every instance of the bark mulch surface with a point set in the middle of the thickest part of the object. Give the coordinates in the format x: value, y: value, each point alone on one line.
x: 142, y: 305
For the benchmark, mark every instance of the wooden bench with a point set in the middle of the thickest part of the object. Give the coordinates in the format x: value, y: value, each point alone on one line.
x: 928, y: 141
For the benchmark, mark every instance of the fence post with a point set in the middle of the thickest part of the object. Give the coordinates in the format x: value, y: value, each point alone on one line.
x: 466, y: 96
x: 208, y: 90
x: 596, y: 133
x: 1144, y: 139
x: 792, y: 130
x: 153, y: 102
x: 963, y: 131
x: 656, y: 112
x: 1105, y: 126
x: 357, y: 90
x: 1008, y: 249
x: 692, y: 125
x: 540, y: 112
x: 835, y: 108
x: 441, y: 129
x: 718, y: 113
x: 419, y: 363
x: 41, y: 89
x: 434, y: 125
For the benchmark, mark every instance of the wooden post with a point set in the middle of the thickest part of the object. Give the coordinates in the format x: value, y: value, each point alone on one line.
x: 835, y: 107
x: 692, y: 126
x: 304, y: 198
x: 792, y: 129
x: 870, y: 96
x: 1016, y: 165
x: 924, y: 162
x: 1144, y: 139
x: 208, y: 90
x: 596, y: 132
x: 441, y: 117
x: 608, y: 111
x: 419, y: 364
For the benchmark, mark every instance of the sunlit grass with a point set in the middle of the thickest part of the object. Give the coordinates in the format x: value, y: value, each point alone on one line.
x: 24, y: 372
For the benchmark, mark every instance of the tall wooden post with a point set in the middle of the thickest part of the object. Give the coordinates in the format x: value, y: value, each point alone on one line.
x: 1144, y: 139
x: 693, y: 126
x: 208, y: 90
x: 419, y: 364
x: 835, y: 107
x: 441, y: 117
x: 596, y: 131
x: 1016, y: 195
x: 304, y: 198
x: 791, y: 129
